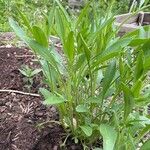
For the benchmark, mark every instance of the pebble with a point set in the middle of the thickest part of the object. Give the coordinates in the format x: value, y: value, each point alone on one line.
x: 39, y: 114
x: 2, y: 109
x: 8, y: 104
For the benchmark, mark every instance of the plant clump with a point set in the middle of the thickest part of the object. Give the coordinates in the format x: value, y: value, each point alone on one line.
x: 98, y: 89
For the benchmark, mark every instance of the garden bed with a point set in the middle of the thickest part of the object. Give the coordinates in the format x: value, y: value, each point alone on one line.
x: 22, y: 113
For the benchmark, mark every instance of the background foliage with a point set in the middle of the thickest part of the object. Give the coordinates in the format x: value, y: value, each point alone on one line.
x: 35, y: 8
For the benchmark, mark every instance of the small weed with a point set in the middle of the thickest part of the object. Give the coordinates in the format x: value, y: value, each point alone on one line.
x: 29, y: 74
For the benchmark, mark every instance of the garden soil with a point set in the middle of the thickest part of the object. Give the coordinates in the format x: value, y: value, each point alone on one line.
x: 21, y: 115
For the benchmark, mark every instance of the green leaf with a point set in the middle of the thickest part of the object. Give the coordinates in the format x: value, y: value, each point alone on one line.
x: 86, y: 49
x: 94, y: 100
x: 40, y: 36
x: 23, y: 72
x: 60, y: 27
x: 142, y: 133
x: 109, y: 136
x: 136, y: 89
x: 20, y: 33
x: 51, y: 99
x: 69, y: 46
x: 38, y: 48
x: 146, y: 52
x: 83, y: 13
x: 146, y: 145
x: 50, y: 21
x: 108, y: 76
x: 87, y: 130
x: 112, y: 51
x: 128, y: 100
x: 44, y: 52
x: 143, y: 100
x: 36, y: 71
x: 137, y: 42
x: 63, y: 10
x: 80, y: 59
x: 139, y: 66
x: 136, y: 33
x: 25, y: 20
x: 81, y: 108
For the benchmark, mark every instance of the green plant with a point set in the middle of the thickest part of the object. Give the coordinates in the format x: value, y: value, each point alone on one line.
x: 98, y: 84
x: 29, y: 74
x: 138, y: 4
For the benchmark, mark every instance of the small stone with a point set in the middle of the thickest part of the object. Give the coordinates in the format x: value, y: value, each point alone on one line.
x: 16, y: 99
x: 39, y: 114
x: 13, y: 94
x: 8, y: 104
x: 53, y: 109
x: 2, y: 109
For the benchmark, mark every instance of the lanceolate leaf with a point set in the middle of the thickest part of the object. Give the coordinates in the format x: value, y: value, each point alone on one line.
x: 111, y: 52
x: 38, y: 48
x: 136, y: 89
x: 20, y: 33
x: 40, y: 36
x: 51, y: 99
x: 69, y: 46
x: 139, y: 66
x: 128, y: 100
x: 108, y: 76
x: 86, y: 49
x: 36, y: 71
x: 25, y: 20
x: 63, y: 10
x: 81, y: 108
x: 109, y: 136
x: 83, y: 13
x: 87, y: 130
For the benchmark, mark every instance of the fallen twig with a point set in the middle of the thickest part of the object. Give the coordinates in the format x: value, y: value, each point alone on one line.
x: 20, y: 92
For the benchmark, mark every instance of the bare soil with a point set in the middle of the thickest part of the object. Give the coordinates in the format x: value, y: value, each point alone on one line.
x: 21, y: 114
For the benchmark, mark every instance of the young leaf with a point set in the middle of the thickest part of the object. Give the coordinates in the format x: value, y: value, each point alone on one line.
x: 36, y: 71
x: 108, y: 76
x: 20, y: 33
x: 86, y: 49
x: 109, y: 136
x: 51, y: 99
x: 60, y: 27
x: 40, y: 36
x: 87, y: 130
x: 83, y: 13
x: 25, y: 20
x: 139, y: 66
x: 69, y: 46
x: 128, y: 100
x: 81, y: 108
x: 111, y: 52
x: 49, y: 21
x: 63, y: 10
x: 137, y: 88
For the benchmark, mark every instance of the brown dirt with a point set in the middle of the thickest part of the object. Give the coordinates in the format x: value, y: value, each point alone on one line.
x: 21, y: 114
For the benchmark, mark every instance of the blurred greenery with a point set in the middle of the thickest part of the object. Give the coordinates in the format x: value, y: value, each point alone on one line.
x: 34, y: 9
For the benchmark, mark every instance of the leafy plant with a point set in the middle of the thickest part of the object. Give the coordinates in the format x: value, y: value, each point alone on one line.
x: 29, y: 74
x: 99, y: 78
